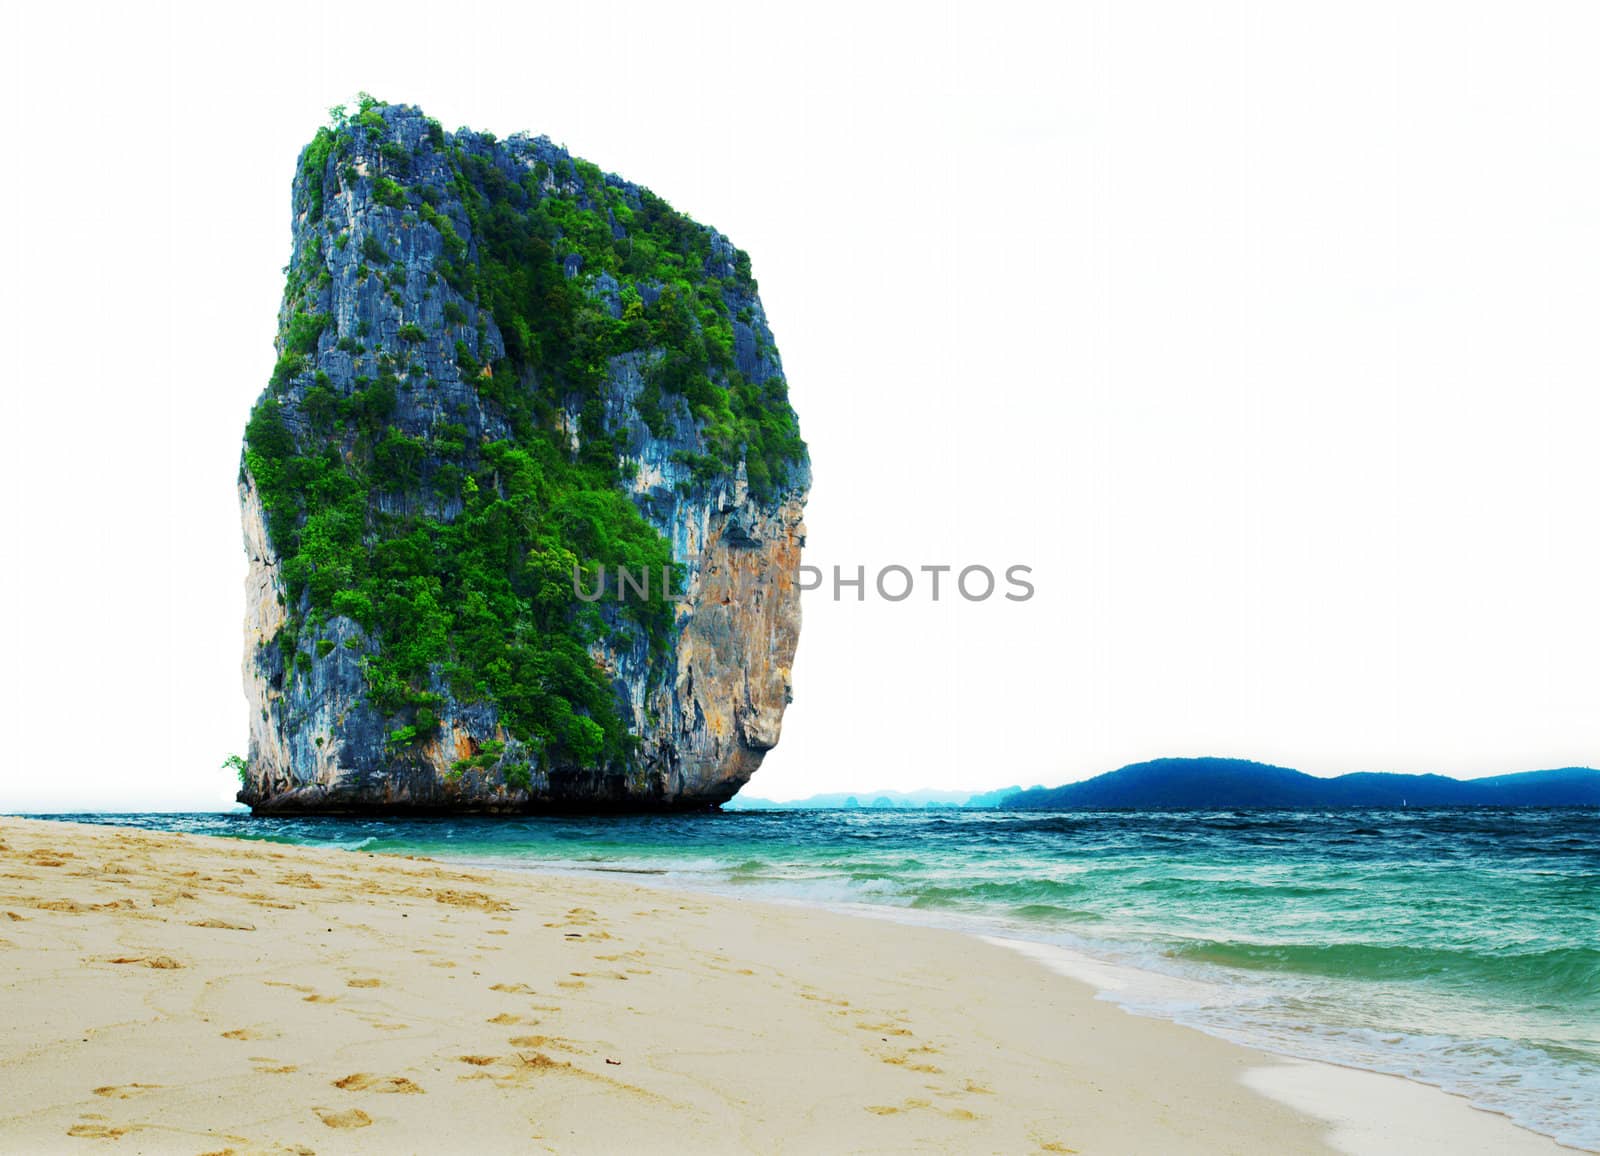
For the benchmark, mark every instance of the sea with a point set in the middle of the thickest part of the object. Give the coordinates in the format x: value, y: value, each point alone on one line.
x: 1459, y: 947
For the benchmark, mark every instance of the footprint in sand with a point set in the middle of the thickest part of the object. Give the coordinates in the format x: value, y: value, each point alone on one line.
x: 249, y: 1034
x: 908, y: 1060
x: 576, y: 917
x: 885, y: 1030
x: 554, y: 1042
x: 475, y: 899
x: 513, y: 988
x: 479, y: 1061
x: 264, y: 902
x: 159, y: 962
x: 97, y: 1132
x: 123, y: 1091
x: 363, y: 983
x: 349, y: 1118
x: 364, y: 1082
x: 221, y: 924
x: 70, y: 906
x: 891, y: 1109
x: 828, y: 999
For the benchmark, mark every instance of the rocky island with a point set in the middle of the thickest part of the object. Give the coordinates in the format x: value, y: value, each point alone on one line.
x: 502, y: 374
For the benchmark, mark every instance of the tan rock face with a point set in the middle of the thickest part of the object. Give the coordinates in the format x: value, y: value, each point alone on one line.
x: 264, y: 616
x: 296, y: 725
x: 706, y: 731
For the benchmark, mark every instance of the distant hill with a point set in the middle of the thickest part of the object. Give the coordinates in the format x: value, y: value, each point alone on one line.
x: 877, y: 800
x: 1185, y: 784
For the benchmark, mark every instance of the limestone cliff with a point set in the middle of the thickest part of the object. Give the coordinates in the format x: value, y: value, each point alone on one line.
x: 496, y: 364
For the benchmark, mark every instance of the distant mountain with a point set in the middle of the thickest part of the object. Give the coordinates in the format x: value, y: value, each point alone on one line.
x: 877, y: 800
x: 1185, y: 784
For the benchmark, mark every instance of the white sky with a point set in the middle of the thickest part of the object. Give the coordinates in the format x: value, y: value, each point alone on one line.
x: 1265, y: 333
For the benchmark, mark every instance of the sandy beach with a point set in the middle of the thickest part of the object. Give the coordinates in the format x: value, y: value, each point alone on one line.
x: 175, y: 993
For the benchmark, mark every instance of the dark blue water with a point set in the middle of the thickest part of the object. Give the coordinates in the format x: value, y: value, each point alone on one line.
x: 1460, y: 947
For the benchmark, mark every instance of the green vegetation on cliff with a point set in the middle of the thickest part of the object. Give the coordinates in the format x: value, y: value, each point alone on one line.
x: 456, y: 553
x: 561, y: 335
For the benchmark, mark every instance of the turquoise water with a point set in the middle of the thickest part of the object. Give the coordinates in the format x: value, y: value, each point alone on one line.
x: 1458, y: 947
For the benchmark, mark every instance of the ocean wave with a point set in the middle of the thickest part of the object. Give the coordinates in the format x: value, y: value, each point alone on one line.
x: 1564, y: 973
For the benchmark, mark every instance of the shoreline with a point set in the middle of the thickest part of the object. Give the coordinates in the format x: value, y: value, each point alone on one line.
x: 669, y: 1013
x: 1391, y: 1104
x: 1320, y: 1088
